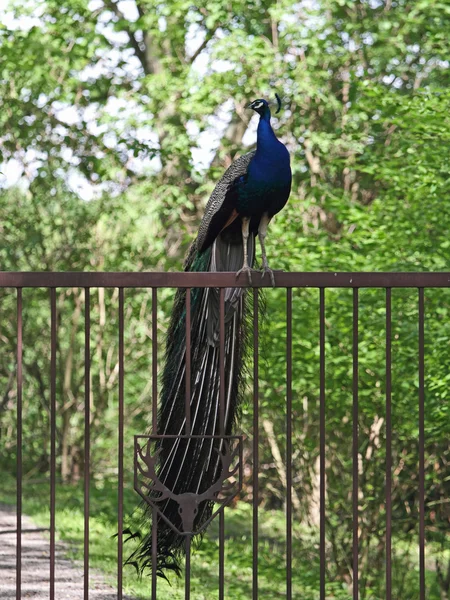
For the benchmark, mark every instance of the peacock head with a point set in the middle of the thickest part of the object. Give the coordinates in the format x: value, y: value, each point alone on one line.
x: 262, y: 106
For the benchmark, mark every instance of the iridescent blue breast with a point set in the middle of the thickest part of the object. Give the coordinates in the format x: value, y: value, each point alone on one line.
x: 267, y: 185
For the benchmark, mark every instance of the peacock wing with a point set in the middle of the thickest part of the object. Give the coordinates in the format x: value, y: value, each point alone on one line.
x: 220, y: 210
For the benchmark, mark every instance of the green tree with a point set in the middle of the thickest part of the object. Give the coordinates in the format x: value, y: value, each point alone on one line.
x: 118, y: 99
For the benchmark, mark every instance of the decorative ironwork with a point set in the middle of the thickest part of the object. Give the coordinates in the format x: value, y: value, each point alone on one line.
x: 151, y: 489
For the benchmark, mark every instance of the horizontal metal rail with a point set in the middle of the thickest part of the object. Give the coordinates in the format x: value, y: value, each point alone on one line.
x: 222, y: 280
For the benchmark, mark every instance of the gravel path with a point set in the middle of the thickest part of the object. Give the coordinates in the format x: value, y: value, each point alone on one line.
x: 36, y: 566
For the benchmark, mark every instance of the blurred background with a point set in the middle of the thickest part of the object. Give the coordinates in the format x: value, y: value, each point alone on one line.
x: 116, y: 120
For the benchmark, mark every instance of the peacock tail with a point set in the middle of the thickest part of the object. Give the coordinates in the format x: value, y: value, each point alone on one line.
x: 192, y: 465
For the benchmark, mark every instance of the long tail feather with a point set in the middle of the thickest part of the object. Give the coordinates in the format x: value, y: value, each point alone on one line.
x: 191, y: 465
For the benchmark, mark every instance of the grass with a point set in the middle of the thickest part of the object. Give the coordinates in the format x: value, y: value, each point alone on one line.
x: 204, y: 573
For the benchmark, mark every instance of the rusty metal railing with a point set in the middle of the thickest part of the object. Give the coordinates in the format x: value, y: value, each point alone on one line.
x: 321, y: 281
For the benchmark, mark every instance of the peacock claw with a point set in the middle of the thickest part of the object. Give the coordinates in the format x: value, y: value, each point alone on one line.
x: 248, y: 270
x: 267, y: 269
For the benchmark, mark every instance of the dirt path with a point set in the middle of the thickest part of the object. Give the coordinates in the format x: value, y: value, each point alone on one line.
x: 36, y: 566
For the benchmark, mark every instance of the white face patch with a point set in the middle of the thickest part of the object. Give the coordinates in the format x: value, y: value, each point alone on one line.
x: 257, y: 104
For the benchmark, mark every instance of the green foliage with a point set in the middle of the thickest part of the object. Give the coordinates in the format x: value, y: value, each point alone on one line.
x: 120, y: 98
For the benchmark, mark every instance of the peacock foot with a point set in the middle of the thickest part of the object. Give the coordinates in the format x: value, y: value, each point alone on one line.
x: 248, y: 270
x: 267, y: 269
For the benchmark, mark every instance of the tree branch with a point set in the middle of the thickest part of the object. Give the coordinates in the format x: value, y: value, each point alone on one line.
x: 210, y: 34
x: 141, y: 54
x: 5, y: 398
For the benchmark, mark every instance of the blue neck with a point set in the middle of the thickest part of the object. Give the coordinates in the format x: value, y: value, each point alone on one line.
x: 265, y: 135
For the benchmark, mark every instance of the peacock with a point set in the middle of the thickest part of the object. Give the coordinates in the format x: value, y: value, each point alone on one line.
x: 253, y: 189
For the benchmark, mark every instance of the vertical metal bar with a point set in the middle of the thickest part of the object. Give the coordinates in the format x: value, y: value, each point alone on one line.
x: 52, y: 438
x: 221, y: 555
x: 154, y: 360
x: 422, y: 443
x: 222, y: 432
x: 355, y: 445
x: 187, y: 574
x: 289, y: 443
x: 120, y: 448
x: 154, y: 551
x: 255, y: 444
x: 19, y: 447
x: 188, y: 362
x: 222, y: 361
x: 388, y: 447
x: 87, y: 445
x: 187, y: 587
x: 155, y: 429
x: 322, y: 444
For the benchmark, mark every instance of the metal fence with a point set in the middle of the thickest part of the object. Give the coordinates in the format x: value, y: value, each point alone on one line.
x: 321, y: 281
